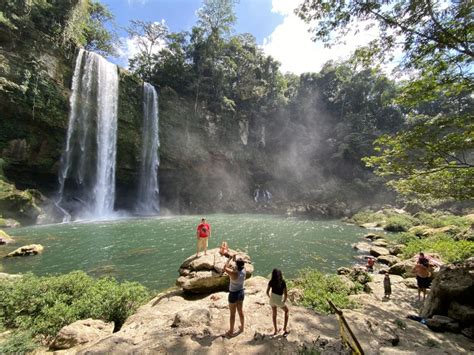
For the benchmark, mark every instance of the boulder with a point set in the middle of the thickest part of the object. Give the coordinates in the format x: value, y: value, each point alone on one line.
x: 362, y: 246
x: 5, y: 238
x: 192, y: 316
x: 441, y: 324
x: 347, y: 282
x: 373, y: 236
x: 372, y: 225
x: 451, y: 294
x: 81, y: 332
x: 32, y: 249
x: 377, y: 251
x: 463, y: 313
x: 403, y: 268
x: 204, y: 274
x: 380, y: 243
x: 410, y: 282
x: 9, y: 223
x: 396, y: 249
x: 343, y: 271
x: 295, y: 295
x: 388, y: 259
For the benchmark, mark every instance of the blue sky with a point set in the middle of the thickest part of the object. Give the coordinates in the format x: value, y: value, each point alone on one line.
x: 278, y: 31
x: 253, y: 16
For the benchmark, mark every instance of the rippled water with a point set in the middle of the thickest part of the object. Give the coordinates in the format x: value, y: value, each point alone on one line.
x: 150, y: 250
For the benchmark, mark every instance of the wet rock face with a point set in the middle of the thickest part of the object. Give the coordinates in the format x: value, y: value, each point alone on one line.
x: 452, y: 294
x: 204, y: 274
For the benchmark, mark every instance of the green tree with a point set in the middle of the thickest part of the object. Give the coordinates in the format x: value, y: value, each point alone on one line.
x: 433, y: 158
x: 216, y: 17
x: 149, y: 37
x: 97, y: 37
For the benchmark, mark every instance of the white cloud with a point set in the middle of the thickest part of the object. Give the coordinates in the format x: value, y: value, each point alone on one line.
x: 290, y: 42
x: 133, y: 2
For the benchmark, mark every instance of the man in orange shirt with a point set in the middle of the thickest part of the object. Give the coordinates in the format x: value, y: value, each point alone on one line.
x: 203, y: 233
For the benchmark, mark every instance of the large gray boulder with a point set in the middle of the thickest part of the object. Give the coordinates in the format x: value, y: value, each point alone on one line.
x: 452, y: 293
x: 377, y: 251
x: 81, y: 332
x: 403, y: 268
x: 388, y: 259
x: 205, y: 274
x: 362, y: 246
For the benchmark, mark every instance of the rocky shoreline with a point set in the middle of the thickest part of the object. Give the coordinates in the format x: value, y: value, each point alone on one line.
x: 194, y: 318
x: 176, y: 322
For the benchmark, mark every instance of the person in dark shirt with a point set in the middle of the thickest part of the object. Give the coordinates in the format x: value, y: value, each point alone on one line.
x: 278, y: 298
x: 387, y: 286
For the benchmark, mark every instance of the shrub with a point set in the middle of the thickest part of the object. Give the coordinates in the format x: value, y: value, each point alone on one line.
x: 318, y: 288
x: 43, y: 305
x: 399, y: 223
x: 366, y: 216
x: 449, y: 249
x: 18, y: 343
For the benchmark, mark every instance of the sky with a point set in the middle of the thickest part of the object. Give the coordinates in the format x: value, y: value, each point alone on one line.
x: 273, y: 23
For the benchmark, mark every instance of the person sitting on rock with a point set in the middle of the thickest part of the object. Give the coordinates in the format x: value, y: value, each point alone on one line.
x: 422, y: 271
x: 278, y: 298
x: 224, y: 249
x: 236, y: 292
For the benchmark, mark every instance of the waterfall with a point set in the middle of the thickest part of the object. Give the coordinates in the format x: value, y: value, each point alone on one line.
x: 91, y: 163
x: 148, y: 190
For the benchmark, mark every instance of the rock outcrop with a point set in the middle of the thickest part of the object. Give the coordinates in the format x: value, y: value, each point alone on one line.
x: 5, y: 238
x: 378, y: 251
x: 32, y: 249
x: 179, y: 323
x: 204, y: 274
x: 403, y: 268
x: 81, y: 332
x: 452, y: 295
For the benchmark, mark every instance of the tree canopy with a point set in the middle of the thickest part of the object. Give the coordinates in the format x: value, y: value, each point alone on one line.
x: 434, y: 157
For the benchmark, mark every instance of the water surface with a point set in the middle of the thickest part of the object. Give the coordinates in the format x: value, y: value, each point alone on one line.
x: 150, y: 250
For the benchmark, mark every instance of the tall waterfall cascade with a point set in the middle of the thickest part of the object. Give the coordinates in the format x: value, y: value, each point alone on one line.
x: 148, y: 190
x: 90, y: 154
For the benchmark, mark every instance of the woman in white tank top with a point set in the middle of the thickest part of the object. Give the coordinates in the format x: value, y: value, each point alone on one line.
x: 236, y: 292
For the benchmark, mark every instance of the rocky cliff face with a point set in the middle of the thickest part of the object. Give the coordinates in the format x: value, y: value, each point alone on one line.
x: 209, y: 161
x: 204, y: 164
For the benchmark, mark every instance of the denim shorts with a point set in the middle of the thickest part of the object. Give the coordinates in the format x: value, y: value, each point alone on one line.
x: 236, y: 296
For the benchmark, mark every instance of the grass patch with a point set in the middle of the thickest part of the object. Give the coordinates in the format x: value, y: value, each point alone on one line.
x: 438, y: 220
x: 43, y: 305
x: 449, y: 249
x: 318, y: 287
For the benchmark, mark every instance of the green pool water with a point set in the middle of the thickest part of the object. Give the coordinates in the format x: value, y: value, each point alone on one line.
x: 150, y: 250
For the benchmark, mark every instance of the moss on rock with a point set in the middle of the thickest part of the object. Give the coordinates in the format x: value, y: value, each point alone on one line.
x: 20, y: 205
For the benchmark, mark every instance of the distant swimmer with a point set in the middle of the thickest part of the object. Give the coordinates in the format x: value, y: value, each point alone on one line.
x: 203, y: 233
